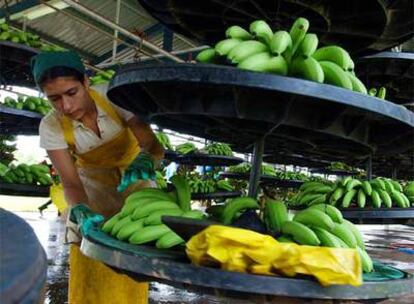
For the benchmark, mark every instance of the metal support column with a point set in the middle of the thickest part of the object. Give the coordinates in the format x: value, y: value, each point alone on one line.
x: 115, y: 44
x: 368, y: 167
x: 255, y: 172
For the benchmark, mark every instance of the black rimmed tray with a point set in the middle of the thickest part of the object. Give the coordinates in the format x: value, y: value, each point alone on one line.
x: 15, y: 64
x: 337, y: 172
x: 234, y: 106
x: 334, y: 22
x: 392, y: 70
x: 139, y: 264
x: 215, y: 195
x: 24, y: 190
x: 19, y: 122
x: 171, y: 155
x: 379, y: 215
x: 265, y: 179
x: 200, y: 159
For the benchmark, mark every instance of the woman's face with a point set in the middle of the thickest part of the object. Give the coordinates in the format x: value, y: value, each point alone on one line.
x: 68, y: 96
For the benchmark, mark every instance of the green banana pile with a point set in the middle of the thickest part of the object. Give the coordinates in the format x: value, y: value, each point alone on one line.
x: 160, y: 180
x: 244, y: 168
x: 289, y: 175
x: 25, y: 174
x: 186, y: 148
x: 294, y: 53
x: 199, y: 185
x: 17, y: 36
x: 218, y: 149
x: 7, y: 148
x: 339, y: 166
x: 164, y: 140
x: 101, y: 77
x: 139, y: 221
x: 352, y: 192
x: 34, y: 104
x: 318, y: 225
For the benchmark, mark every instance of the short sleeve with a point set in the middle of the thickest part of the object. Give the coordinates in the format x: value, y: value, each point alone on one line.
x: 125, y: 114
x: 51, y: 133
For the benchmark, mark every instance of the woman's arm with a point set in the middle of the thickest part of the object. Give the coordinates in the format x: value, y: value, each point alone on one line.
x: 146, y: 138
x: 72, y: 185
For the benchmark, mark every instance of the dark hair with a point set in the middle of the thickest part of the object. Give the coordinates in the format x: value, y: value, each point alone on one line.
x: 60, y: 71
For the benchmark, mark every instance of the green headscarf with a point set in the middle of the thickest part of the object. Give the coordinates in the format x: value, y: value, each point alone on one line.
x: 47, y: 60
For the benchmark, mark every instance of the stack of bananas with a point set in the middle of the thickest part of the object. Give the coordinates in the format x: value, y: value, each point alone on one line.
x: 25, y: 174
x: 34, y: 104
x: 350, y: 192
x: 240, y: 168
x: 186, y: 148
x: 218, y: 149
x: 101, y: 77
x: 139, y: 221
x: 318, y: 225
x: 17, y: 36
x: 289, y: 175
x: 7, y: 147
x: 164, y: 140
x: 294, y: 53
x: 205, y: 185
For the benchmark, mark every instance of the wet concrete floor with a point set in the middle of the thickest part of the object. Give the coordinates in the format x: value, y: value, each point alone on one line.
x: 385, y: 243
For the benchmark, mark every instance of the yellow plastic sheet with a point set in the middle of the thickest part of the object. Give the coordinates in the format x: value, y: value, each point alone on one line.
x: 241, y: 250
x: 58, y: 198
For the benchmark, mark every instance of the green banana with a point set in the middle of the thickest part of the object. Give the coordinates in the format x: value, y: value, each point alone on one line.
x: 129, y: 229
x: 385, y: 197
x: 366, y: 262
x: 326, y: 238
x: 351, y: 67
x: 331, y: 211
x: 206, y: 56
x: 148, y: 234
x: 347, y: 199
x: 378, y: 184
x: 372, y: 92
x: 119, y: 224
x: 237, y: 32
x: 183, y: 192
x: 336, y: 195
x: 341, y: 231
x: 245, y: 50
x: 308, y: 46
x: 153, y: 193
x: 366, y: 186
x: 409, y: 189
x: 297, y: 33
x: 168, y: 240
x: 261, y: 30
x: 307, y: 185
x: 275, y: 214
x: 389, y: 187
x: 280, y: 42
x: 344, y: 181
x: 309, y: 197
x: 147, y: 209
x: 376, y: 199
x: 399, y: 199
x: 357, y: 234
x: 154, y: 218
x: 264, y: 62
x: 361, y: 200
x: 223, y: 47
x: 397, y: 185
x: 109, y: 224
x: 194, y: 214
x: 285, y: 239
x: 300, y: 233
x: 334, y: 75
x: 128, y: 209
x: 357, y: 85
x: 319, y: 200
x: 382, y: 92
x: 236, y: 205
x: 315, y: 218
x: 334, y: 54
x: 307, y: 68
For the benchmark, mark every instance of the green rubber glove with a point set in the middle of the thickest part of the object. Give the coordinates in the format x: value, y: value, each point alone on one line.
x: 85, y: 218
x: 142, y: 168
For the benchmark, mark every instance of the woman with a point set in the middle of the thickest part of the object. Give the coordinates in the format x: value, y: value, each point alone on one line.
x: 97, y: 148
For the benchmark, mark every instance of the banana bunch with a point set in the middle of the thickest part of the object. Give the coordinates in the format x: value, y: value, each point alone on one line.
x: 34, y: 104
x: 294, y: 53
x: 25, y: 174
x: 289, y: 175
x: 240, y: 168
x: 164, y: 140
x: 225, y: 185
x: 268, y: 170
x: 7, y: 147
x: 140, y: 219
x: 339, y: 166
x: 101, y: 77
x: 235, y: 206
x: 312, y: 192
x: 186, y: 148
x: 409, y: 192
x: 318, y: 225
x: 160, y: 180
x: 218, y: 149
x: 199, y: 185
x: 17, y: 36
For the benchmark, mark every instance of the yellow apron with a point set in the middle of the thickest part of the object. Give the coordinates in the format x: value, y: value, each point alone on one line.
x: 100, y: 171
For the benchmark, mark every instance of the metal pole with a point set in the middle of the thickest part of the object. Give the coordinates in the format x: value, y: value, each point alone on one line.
x: 256, y: 170
x: 109, y: 23
x: 368, y: 167
x: 394, y: 172
x: 115, y: 44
